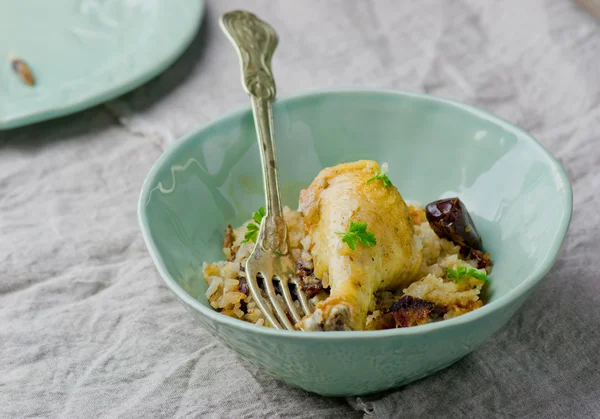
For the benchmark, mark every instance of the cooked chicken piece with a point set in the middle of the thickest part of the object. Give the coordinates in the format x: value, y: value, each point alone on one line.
x: 337, y: 196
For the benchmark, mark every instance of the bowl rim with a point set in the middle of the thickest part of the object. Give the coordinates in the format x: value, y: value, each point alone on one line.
x: 561, y: 179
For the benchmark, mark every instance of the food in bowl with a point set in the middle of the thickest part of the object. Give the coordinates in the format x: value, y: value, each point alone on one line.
x: 367, y: 259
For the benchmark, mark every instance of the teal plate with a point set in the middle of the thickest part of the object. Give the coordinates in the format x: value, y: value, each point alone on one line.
x: 85, y: 52
x: 518, y: 194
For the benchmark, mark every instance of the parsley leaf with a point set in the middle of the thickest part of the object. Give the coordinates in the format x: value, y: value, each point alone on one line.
x: 251, y: 233
x: 252, y: 229
x: 350, y: 240
x: 380, y: 174
x: 259, y: 215
x: 357, y: 232
x: 461, y: 272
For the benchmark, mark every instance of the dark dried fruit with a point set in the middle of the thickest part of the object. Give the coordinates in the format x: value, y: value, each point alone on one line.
x: 313, y: 288
x: 303, y: 269
x: 483, y: 259
x: 311, y: 285
x: 409, y: 311
x: 243, y: 286
x: 450, y: 220
x: 23, y: 71
x: 410, y: 303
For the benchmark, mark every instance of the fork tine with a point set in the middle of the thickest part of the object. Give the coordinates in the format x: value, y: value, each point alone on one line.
x: 301, y: 296
x: 268, y: 283
x: 288, y: 299
x: 256, y: 292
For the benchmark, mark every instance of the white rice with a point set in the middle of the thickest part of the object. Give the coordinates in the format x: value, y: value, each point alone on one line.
x: 224, y: 277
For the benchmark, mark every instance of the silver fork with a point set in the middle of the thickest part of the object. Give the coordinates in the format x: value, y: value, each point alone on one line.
x: 255, y: 42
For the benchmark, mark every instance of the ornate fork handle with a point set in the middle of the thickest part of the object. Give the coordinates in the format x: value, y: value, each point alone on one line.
x: 255, y: 42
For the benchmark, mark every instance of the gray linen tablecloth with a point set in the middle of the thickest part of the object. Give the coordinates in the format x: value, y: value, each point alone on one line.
x: 87, y: 329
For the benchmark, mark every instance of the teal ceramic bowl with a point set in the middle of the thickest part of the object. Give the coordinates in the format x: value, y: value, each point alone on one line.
x: 518, y: 194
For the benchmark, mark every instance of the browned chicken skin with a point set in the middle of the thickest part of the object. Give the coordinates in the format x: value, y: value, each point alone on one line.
x: 337, y: 196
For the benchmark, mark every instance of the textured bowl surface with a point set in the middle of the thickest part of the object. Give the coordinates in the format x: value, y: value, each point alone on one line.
x: 519, y: 196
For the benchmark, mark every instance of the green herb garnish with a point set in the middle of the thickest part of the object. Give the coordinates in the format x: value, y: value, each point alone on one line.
x: 462, y: 272
x: 358, y: 232
x: 252, y: 229
x: 380, y: 174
